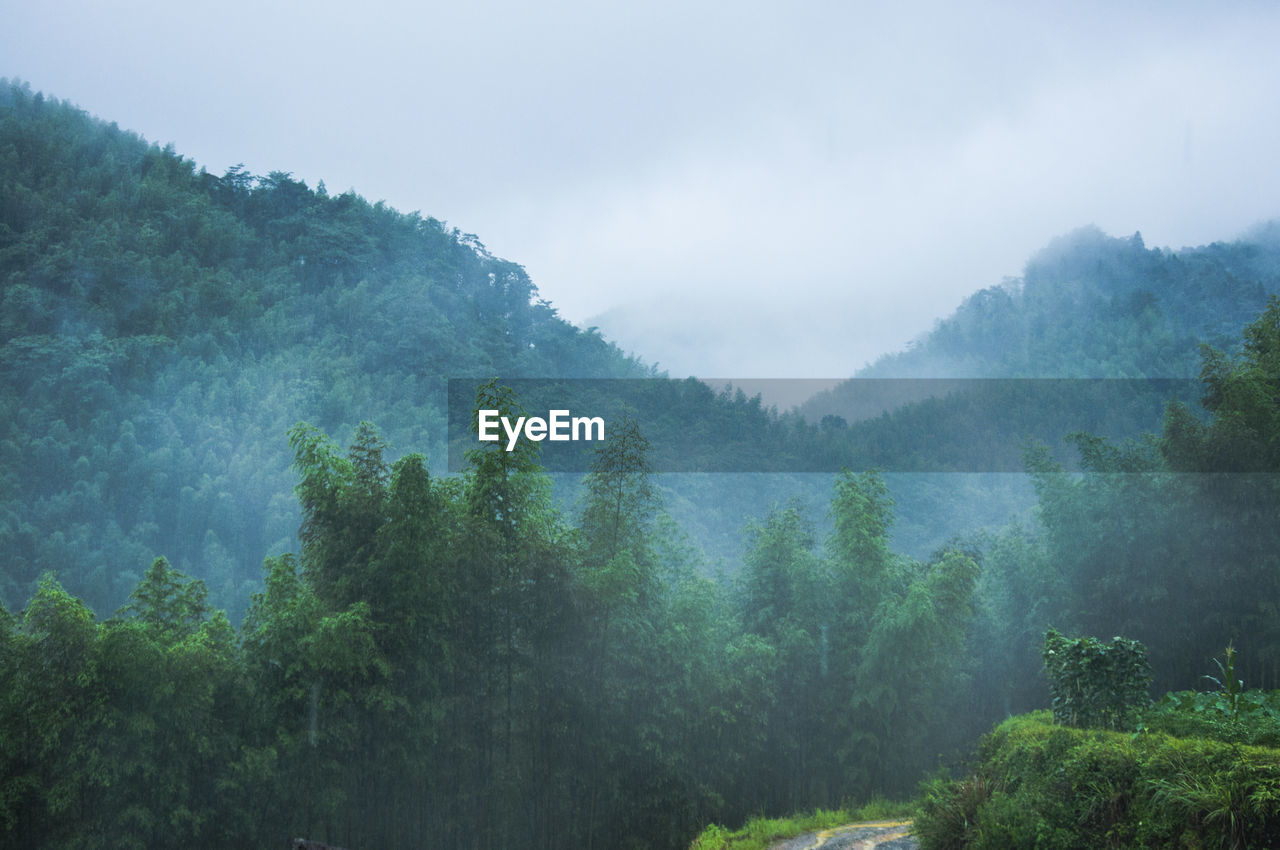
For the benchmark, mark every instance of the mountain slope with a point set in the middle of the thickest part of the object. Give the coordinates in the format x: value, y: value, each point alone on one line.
x: 161, y: 328
x: 1092, y: 306
x: 1087, y: 306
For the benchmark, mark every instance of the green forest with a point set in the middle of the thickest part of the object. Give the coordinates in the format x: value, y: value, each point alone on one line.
x: 244, y: 600
x: 162, y: 329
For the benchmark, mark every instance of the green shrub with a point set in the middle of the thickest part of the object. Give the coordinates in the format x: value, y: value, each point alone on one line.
x: 948, y: 811
x: 1042, y: 785
x: 1230, y: 714
x: 1255, y: 719
x: 1093, y: 684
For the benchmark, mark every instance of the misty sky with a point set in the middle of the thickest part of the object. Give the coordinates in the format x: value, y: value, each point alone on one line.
x: 732, y: 189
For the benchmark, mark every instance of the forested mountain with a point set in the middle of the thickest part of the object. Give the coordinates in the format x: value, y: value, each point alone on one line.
x: 448, y: 661
x: 1163, y: 538
x: 1089, y: 306
x: 465, y: 658
x: 162, y: 328
x: 1173, y: 541
x: 1092, y: 306
x: 1086, y: 306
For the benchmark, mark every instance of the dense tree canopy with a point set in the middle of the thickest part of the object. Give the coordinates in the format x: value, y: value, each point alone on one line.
x: 454, y: 658
x: 467, y: 658
x: 161, y: 327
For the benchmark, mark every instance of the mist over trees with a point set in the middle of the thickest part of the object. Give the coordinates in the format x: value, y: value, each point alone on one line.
x: 451, y: 657
x: 162, y: 327
x: 1093, y: 306
x: 349, y: 644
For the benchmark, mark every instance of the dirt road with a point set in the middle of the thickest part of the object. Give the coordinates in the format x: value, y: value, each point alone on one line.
x: 880, y: 835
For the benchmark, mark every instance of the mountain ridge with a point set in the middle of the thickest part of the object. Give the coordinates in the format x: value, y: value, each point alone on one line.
x: 161, y: 329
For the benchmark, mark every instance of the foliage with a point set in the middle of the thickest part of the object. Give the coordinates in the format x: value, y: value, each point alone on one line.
x: 450, y: 657
x: 161, y: 327
x: 1229, y: 686
x: 464, y: 658
x: 1231, y: 713
x: 947, y: 811
x: 119, y: 733
x: 1043, y: 785
x: 1173, y: 539
x: 1093, y: 684
x: 1090, y: 305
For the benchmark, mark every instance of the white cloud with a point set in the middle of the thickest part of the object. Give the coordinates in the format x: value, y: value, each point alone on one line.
x: 788, y: 190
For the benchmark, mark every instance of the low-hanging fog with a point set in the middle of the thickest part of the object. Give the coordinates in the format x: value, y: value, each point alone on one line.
x: 754, y: 190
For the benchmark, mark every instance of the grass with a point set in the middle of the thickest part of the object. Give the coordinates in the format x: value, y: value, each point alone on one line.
x: 760, y: 833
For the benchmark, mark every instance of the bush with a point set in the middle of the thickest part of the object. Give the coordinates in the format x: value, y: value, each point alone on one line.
x: 1096, y: 685
x: 948, y: 812
x: 1252, y: 717
x: 1039, y: 784
x: 1230, y: 714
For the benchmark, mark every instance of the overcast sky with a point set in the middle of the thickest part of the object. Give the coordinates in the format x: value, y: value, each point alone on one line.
x: 732, y: 189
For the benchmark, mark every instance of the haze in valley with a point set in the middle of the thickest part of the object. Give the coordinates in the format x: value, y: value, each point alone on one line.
x: 759, y: 190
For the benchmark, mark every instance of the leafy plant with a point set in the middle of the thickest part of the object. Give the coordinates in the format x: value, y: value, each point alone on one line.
x: 1041, y: 784
x: 1229, y: 687
x: 948, y: 814
x: 1094, y: 684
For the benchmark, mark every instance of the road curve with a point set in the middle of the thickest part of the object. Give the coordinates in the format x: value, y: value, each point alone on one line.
x: 880, y: 835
